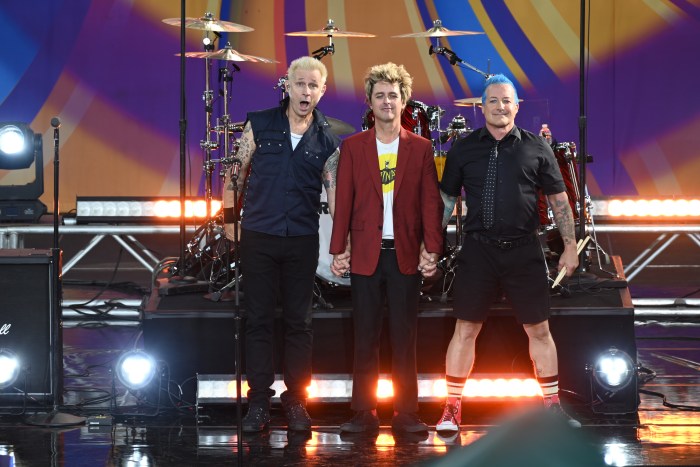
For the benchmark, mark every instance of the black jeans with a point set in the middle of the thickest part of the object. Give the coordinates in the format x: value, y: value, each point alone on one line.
x: 402, y: 293
x: 272, y: 264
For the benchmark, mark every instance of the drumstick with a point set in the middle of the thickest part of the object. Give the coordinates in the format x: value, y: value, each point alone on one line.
x: 579, y: 248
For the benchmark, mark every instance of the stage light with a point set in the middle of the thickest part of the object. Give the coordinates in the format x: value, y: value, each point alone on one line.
x: 653, y: 210
x: 613, y: 379
x: 163, y: 209
x: 614, y: 369
x: 136, y: 369
x: 9, y: 368
x: 221, y: 389
x: 20, y: 147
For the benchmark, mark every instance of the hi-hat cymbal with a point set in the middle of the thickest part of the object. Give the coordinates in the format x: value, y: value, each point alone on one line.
x: 208, y: 23
x: 228, y: 53
x: 329, y: 30
x: 438, y: 30
x: 339, y: 127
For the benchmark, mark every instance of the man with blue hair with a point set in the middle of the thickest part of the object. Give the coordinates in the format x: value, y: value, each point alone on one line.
x: 502, y: 168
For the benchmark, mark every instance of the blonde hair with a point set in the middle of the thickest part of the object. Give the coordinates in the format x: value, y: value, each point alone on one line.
x: 308, y: 64
x: 391, y: 73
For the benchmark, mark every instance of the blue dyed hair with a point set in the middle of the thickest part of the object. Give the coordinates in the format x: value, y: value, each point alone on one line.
x: 499, y: 79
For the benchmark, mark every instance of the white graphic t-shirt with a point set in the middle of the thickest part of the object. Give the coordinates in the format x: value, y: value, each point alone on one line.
x: 387, y: 170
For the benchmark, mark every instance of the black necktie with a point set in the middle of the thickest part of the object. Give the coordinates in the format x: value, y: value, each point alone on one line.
x: 488, y: 197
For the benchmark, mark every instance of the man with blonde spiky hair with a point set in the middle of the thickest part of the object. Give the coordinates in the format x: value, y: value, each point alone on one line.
x: 286, y: 153
x: 387, y: 229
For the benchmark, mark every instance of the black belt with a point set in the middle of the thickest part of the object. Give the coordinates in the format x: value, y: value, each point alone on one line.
x: 387, y: 243
x: 502, y: 244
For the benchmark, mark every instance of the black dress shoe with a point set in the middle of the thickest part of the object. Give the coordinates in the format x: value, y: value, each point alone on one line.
x: 362, y: 422
x: 257, y: 419
x: 408, y: 423
x: 298, y: 418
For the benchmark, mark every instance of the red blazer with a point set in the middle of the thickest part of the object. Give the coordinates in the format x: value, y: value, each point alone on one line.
x: 359, y: 204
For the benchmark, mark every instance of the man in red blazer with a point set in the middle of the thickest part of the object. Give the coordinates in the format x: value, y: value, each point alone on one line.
x: 387, y: 231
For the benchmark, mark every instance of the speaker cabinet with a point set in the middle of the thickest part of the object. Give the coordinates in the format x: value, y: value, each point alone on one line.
x: 29, y: 322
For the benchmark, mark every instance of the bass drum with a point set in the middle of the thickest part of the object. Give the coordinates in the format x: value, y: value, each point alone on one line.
x: 325, y: 228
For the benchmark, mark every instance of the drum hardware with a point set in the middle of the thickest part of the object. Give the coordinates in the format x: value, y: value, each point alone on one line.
x: 457, y: 128
x: 329, y: 31
x: 448, y: 264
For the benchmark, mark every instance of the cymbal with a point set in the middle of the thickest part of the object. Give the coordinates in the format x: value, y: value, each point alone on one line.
x: 339, y: 127
x: 468, y: 101
x: 228, y: 53
x: 329, y: 30
x: 208, y: 23
x: 438, y: 30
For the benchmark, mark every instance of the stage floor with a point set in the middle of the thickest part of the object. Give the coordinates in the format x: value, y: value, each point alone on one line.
x: 662, y: 435
x: 666, y: 430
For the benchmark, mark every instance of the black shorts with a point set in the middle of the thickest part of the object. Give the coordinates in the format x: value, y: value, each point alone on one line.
x: 484, y: 270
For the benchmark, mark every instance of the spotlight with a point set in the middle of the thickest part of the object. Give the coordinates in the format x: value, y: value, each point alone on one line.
x: 136, y: 369
x: 614, y: 369
x: 9, y: 368
x: 20, y: 147
x: 613, y: 379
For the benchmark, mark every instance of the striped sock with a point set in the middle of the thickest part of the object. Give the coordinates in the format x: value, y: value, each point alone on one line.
x: 455, y: 386
x: 550, y: 389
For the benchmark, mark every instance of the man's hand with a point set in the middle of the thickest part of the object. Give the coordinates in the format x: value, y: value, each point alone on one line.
x: 427, y: 262
x: 341, y: 263
x: 569, y: 260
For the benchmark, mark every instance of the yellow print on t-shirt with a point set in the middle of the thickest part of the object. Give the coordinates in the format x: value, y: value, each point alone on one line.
x: 387, y: 170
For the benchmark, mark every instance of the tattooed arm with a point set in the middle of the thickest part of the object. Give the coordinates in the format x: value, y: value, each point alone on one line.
x: 449, y: 202
x: 564, y: 219
x: 330, y: 171
x: 245, y: 153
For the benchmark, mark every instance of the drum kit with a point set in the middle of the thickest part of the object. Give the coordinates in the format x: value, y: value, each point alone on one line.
x: 209, y: 257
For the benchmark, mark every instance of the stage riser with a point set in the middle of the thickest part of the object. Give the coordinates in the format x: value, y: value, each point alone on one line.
x: 205, y: 345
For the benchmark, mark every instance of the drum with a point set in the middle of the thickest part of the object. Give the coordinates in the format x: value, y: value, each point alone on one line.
x: 325, y: 228
x: 440, y: 157
x: 565, y: 154
x: 413, y: 118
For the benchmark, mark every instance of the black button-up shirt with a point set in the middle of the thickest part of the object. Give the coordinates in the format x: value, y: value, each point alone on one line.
x: 284, y: 186
x: 526, y: 164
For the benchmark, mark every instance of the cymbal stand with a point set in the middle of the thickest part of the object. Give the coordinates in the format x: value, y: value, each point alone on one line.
x: 329, y: 49
x: 208, y: 144
x: 226, y: 127
x: 454, y: 59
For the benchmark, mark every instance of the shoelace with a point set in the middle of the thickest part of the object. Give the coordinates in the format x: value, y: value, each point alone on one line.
x: 450, y: 413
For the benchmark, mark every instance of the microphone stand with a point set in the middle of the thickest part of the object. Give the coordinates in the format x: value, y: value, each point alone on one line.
x: 237, y: 319
x: 56, y: 418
